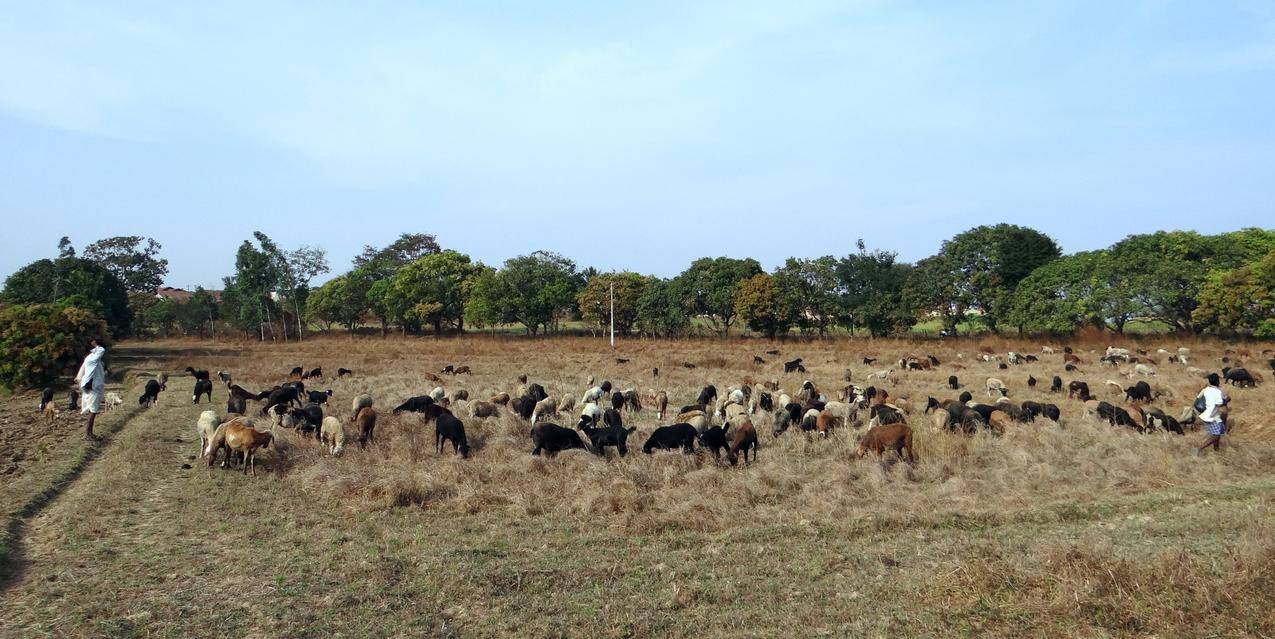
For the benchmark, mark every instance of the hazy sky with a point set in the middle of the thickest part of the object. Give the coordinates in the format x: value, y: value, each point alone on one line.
x: 628, y: 135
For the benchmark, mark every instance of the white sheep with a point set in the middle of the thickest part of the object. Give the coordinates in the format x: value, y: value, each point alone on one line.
x: 1142, y: 369
x: 593, y: 395
x: 567, y: 403
x: 1015, y: 358
x: 994, y: 384
x: 438, y: 394
x: 332, y: 434
x: 1046, y: 350
x: 208, y: 422
x: 734, y: 410
x: 1115, y: 387
x: 591, y: 411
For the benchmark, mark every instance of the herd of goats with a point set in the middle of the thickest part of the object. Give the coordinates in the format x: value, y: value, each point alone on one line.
x: 716, y: 422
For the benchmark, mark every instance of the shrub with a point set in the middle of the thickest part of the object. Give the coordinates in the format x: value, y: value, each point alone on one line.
x: 40, y: 342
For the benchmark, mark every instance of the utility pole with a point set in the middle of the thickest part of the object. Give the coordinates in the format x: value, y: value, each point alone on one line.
x: 612, y: 315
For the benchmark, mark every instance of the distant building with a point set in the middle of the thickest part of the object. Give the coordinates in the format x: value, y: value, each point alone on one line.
x: 180, y: 294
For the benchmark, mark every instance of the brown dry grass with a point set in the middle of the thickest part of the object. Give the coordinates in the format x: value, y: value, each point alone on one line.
x: 1074, y: 529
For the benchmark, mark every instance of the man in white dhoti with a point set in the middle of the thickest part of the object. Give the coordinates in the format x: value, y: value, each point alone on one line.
x: 92, y: 381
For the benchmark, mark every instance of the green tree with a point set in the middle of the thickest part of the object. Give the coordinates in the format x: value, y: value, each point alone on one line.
x: 985, y: 263
x: 431, y: 290
x: 660, y: 312
x: 759, y: 303
x: 931, y: 288
x: 247, y: 303
x: 707, y: 287
x: 811, y: 291
x: 131, y: 258
x: 341, y: 300
x: 409, y: 247
x: 41, y: 342
x: 1087, y: 288
x: 484, y: 304
x: 1240, y: 299
x: 533, y: 290
x: 594, y: 301
x: 873, y: 286
x: 72, y: 281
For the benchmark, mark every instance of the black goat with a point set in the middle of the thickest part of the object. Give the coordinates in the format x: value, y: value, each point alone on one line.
x: 197, y: 374
x: 670, y: 437
x: 416, y: 404
x: 202, y: 387
x: 552, y: 438
x: 150, y: 394
x: 616, y: 436
x: 448, y: 427
x: 319, y: 397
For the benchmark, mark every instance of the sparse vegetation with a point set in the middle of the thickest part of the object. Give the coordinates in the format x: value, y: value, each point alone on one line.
x: 1064, y: 530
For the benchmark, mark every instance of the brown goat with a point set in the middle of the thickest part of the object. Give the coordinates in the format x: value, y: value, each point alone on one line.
x: 743, y: 437
x: 896, y: 437
x: 238, y: 436
x: 365, y: 422
x: 501, y: 399
x: 660, y: 399
x: 825, y: 422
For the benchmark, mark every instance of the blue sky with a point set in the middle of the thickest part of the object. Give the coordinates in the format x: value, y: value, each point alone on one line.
x: 628, y: 135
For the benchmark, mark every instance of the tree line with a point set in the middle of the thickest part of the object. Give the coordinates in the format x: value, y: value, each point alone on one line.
x: 997, y: 278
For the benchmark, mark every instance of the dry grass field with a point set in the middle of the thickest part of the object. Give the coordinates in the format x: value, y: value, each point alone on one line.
x: 1074, y: 529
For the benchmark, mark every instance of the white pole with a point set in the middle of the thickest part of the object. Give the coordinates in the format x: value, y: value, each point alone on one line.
x: 612, y: 315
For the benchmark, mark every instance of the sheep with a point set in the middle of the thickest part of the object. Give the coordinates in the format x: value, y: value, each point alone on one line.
x: 332, y: 435
x: 438, y: 394
x: 1114, y: 387
x: 359, y: 403
x: 500, y: 399
x: 448, y: 427
x: 1047, y: 350
x: 542, y: 408
x: 1142, y: 369
x: 999, y: 421
x: 896, y: 437
x: 365, y: 423
x: 483, y: 409
x: 207, y: 424
x: 461, y: 370
x: 590, y: 413
x: 994, y: 384
x: 567, y: 403
x: 592, y: 396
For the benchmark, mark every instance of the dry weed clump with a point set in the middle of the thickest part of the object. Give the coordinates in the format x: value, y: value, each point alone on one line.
x: 796, y: 478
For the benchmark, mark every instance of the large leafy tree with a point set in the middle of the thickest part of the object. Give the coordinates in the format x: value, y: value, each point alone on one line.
x: 247, y: 300
x: 810, y: 289
x: 594, y: 301
x: 1167, y: 269
x: 341, y: 300
x: 408, y: 248
x: 762, y: 307
x: 707, y: 287
x: 131, y: 258
x: 873, y: 296
x: 72, y: 281
x: 1240, y: 299
x: 431, y: 290
x: 660, y: 312
x: 1087, y: 288
x: 41, y: 342
x: 982, y: 266
x: 533, y: 290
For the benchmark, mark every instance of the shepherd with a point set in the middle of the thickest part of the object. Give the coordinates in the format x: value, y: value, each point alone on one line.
x: 92, y: 380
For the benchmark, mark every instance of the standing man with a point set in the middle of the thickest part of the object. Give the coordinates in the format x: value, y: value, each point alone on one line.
x: 92, y: 380
x: 1213, y: 413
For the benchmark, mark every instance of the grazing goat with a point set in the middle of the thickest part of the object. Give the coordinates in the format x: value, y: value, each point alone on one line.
x: 953, y: 383
x: 46, y: 397
x: 552, y: 438
x: 743, y: 438
x: 418, y: 404
x: 1239, y: 377
x: 238, y: 436
x: 794, y: 366
x: 199, y: 375
x: 713, y: 439
x: 600, y: 438
x: 483, y: 409
x: 365, y: 423
x: 994, y: 384
x: 1055, y: 386
x: 236, y: 405
x: 674, y: 436
x: 448, y: 427
x: 344, y: 372
x: 202, y: 387
x: 1138, y: 392
x: 500, y: 399
x: 319, y: 397
x: 314, y: 372
x: 1078, y: 389
x: 543, y: 408
x: 150, y: 393
x: 879, y: 439
x: 332, y: 435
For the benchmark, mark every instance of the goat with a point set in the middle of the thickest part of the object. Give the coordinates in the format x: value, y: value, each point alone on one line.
x: 314, y: 372
x: 1055, y: 386
x: 1078, y: 389
x: 238, y: 436
x: 879, y: 439
x: 202, y: 387
x: 198, y: 375
x: 290, y: 394
x: 953, y: 383
x: 365, y: 423
x: 448, y: 427
x: 543, y: 408
x: 344, y: 372
x: 794, y: 366
x: 552, y: 438
x: 319, y: 397
x: 713, y: 439
x: 743, y: 438
x: 224, y: 377
x: 150, y: 394
x: 673, y: 436
x: 416, y: 404
x: 994, y: 384
x: 660, y: 399
x: 616, y: 436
